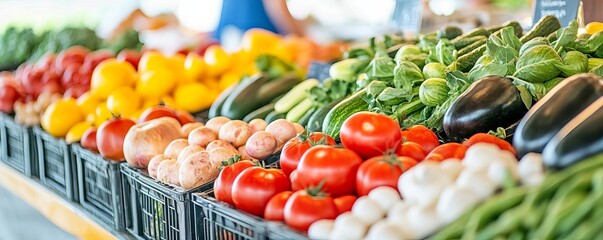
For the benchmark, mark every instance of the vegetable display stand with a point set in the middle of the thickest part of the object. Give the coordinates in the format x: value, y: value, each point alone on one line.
x: 18, y: 148
x: 99, y: 185
x: 57, y: 164
x: 155, y: 210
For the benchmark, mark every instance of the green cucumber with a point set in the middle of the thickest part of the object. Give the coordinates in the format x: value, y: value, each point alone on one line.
x: 252, y: 95
x: 304, y: 119
x: 475, y: 32
x: 449, y: 32
x: 260, y: 113
x: 295, y: 96
x: 516, y: 27
x: 298, y: 111
x: 434, y: 91
x: 466, y: 62
x: 472, y: 47
x: 547, y: 25
x: 216, y: 106
x: 338, y: 114
x: 272, y: 116
x: 314, y: 124
x: 468, y: 41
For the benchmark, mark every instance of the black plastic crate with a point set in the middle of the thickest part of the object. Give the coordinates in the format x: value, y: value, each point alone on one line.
x: 57, y: 164
x: 99, y: 187
x: 18, y: 148
x: 216, y: 220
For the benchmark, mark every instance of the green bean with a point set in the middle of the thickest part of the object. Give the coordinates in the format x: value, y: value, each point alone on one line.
x: 505, y: 224
x: 516, y: 235
x: 558, y: 210
x: 589, y: 228
x: 455, y: 229
x: 580, y: 212
x: 534, y: 215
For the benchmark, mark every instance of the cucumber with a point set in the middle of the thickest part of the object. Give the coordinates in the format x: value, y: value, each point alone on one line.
x: 466, y: 62
x: 449, y: 32
x: 298, y: 111
x: 216, y: 107
x: 338, y: 114
x: 434, y: 91
x: 295, y: 96
x: 472, y: 47
x: 468, y: 41
x: 314, y: 124
x: 304, y: 119
x: 516, y: 27
x: 475, y: 32
x: 260, y: 113
x: 547, y: 25
x: 252, y: 95
x: 272, y: 116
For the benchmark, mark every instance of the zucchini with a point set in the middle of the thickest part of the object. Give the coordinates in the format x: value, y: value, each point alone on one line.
x: 338, y: 114
x: 466, y: 62
x: 434, y: 91
x: 216, y: 107
x: 475, y: 32
x: 516, y: 27
x: 295, y: 96
x: 473, y: 46
x: 304, y: 119
x: 260, y: 113
x: 468, y: 41
x: 298, y: 111
x: 252, y: 95
x: 315, y: 122
x: 449, y: 32
x: 545, y: 26
x: 272, y: 116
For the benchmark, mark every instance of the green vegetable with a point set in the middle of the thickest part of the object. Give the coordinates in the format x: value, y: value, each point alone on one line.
x: 434, y: 91
x: 338, y: 114
x: 472, y: 33
x: 550, y: 84
x: 533, y: 43
x: 434, y: 70
x: 391, y: 96
x: 449, y: 32
x: 273, y: 66
x: 348, y: 69
x: 381, y: 68
x: 306, y: 117
x: 299, y: 110
x: 597, y: 71
x: 538, y: 64
x: 260, y: 113
x: 272, y: 116
x: 565, y: 36
x: 315, y: 122
x: 589, y: 45
x: 16, y: 47
x: 408, y: 49
x: 466, y: 62
x: 594, y: 62
x: 442, y: 53
x: 127, y: 40
x: 375, y: 88
x: 518, y: 30
x: 545, y: 26
x: 468, y: 41
x: 295, y: 96
x: 56, y: 41
x: 329, y: 90
x: 407, y: 75
x: 473, y: 46
x: 574, y: 62
x: 406, y: 109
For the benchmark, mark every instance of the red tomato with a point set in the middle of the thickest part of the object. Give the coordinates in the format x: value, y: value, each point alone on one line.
x: 131, y: 56
x: 110, y: 137
x: 255, y: 186
x: 75, y: 91
x: 381, y: 171
x: 305, y: 208
x: 370, y: 134
x: 275, y: 209
x: 157, y: 112
x: 69, y: 56
x: 487, y: 138
x: 421, y: 135
x: 296, y: 147
x: 223, y: 184
x: 94, y: 58
x: 446, y: 151
x: 345, y: 203
x: 411, y: 149
x: 71, y: 75
x: 8, y: 96
x: 89, y: 140
x: 335, y: 167
x: 294, y: 182
x: 184, y: 117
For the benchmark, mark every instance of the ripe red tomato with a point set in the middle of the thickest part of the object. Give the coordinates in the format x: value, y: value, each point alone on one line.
x: 184, y: 117
x: 88, y: 140
x: 294, y: 182
x: 275, y: 209
x: 223, y: 184
x: 296, y: 147
x: 69, y: 56
x: 345, y: 203
x: 131, y: 56
x: 255, y: 186
x: 305, y: 207
x: 412, y: 150
x: 110, y: 137
x: 157, y: 112
x: 421, y: 135
x: 71, y: 75
x: 446, y: 151
x: 487, y: 138
x: 370, y: 134
x: 335, y: 167
x: 381, y: 171
x: 8, y: 96
x: 94, y: 58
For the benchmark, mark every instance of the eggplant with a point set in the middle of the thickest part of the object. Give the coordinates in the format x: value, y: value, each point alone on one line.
x: 580, y: 138
x: 554, y: 111
x: 487, y: 104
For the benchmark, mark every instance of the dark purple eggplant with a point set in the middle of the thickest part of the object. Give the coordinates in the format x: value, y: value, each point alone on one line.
x: 556, y: 109
x: 487, y: 104
x: 580, y: 138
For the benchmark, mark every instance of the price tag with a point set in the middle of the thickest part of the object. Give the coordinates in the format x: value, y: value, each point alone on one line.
x: 408, y: 15
x: 565, y: 10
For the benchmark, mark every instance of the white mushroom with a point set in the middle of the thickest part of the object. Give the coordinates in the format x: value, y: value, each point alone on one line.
x: 321, y: 229
x: 455, y: 201
x: 423, y: 183
x: 384, y: 230
x: 349, y: 226
x: 385, y: 196
x: 479, y: 182
x: 368, y: 210
x: 479, y: 156
x: 531, y: 169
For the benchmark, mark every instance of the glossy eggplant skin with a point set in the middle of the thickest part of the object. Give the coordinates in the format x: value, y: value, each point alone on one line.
x: 487, y: 104
x: 555, y: 110
x: 578, y: 139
